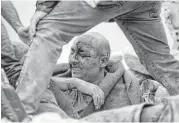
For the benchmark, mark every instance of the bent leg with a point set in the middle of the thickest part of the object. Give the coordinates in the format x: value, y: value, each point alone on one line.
x: 145, y: 31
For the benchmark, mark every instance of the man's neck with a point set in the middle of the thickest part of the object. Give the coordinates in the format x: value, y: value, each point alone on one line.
x: 99, y: 78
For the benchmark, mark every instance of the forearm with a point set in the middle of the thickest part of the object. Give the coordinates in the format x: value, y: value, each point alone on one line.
x: 65, y: 83
x: 106, y: 86
x: 111, y: 79
x: 9, y: 12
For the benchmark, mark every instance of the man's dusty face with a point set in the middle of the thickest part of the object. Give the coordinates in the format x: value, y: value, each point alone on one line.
x: 84, y: 60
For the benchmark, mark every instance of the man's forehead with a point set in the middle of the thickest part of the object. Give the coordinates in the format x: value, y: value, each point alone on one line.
x: 88, y: 45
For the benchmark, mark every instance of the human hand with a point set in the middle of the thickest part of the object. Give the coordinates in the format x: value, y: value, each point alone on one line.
x: 93, y: 90
x: 38, y: 15
x: 153, y: 91
x: 148, y: 91
x: 23, y: 33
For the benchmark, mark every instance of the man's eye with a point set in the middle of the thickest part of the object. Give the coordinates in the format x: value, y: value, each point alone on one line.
x: 84, y: 55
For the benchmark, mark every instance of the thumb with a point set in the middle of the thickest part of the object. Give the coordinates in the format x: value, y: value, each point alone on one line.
x: 33, y: 28
x: 25, y: 31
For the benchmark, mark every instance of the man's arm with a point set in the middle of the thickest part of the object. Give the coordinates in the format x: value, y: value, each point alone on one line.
x: 65, y: 83
x: 107, y: 84
x: 85, y: 87
x: 9, y: 12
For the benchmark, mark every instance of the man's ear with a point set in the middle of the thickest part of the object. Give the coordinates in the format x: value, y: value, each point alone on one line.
x: 104, y: 61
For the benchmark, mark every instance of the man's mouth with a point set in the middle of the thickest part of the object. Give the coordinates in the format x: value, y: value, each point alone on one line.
x: 76, y: 68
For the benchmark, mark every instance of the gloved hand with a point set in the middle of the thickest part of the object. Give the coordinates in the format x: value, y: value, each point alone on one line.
x: 38, y: 15
x: 24, y: 35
